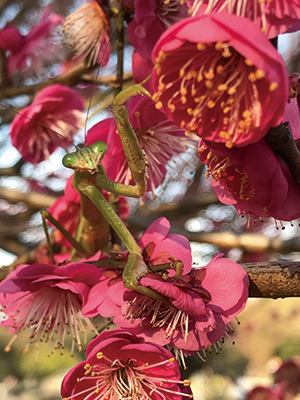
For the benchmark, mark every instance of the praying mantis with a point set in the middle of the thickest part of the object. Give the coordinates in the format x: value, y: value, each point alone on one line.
x: 89, y: 180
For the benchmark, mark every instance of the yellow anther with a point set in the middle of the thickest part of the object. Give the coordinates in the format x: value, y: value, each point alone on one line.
x: 181, y: 72
x: 183, y: 91
x: 273, y: 86
x: 230, y: 100
x: 78, y: 379
x: 241, y: 124
x: 265, y: 209
x: 209, y: 155
x: 167, y: 2
x: 246, y: 114
x: 97, y: 390
x: 226, y: 54
x: 231, y: 90
x: 222, y: 87
x: 248, y: 62
x: 196, y: 112
x: 187, y: 133
x: 172, y: 107
x: 182, y: 2
x: 189, y: 111
x: 161, y: 86
x: 224, y: 134
x: 183, y: 99
x: 26, y: 350
x: 219, y: 46
x: 259, y: 74
x: 226, y: 121
x: 207, y: 175
x: 99, y: 355
x: 182, y: 124
x: 220, y: 69
x: 172, y: 360
x: 229, y: 144
x: 158, y: 105
x: 209, y: 75
x: 226, y: 109
x: 7, y: 348
x: 252, y: 77
x: 186, y: 382
x: 199, y: 78
x: 193, y: 92
x: 209, y: 84
x: 201, y: 46
x: 155, y: 96
x: 211, y: 104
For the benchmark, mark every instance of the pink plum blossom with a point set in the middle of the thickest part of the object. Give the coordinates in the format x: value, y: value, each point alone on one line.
x: 272, y: 17
x: 120, y: 365
x: 52, y: 120
x: 271, y: 192
x: 151, y: 19
x: 47, y: 301
x: 217, y: 75
x: 199, y: 306
x: 159, y: 139
x: 38, y: 49
x: 87, y: 33
x: 159, y: 247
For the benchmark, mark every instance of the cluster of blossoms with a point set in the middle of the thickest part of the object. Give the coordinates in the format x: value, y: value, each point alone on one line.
x: 215, y: 77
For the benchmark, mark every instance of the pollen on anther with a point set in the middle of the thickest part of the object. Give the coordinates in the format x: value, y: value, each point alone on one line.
x: 99, y: 355
x: 273, y: 86
x: 201, y: 46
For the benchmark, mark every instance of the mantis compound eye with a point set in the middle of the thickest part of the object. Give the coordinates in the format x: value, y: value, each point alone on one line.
x: 99, y: 147
x: 69, y: 160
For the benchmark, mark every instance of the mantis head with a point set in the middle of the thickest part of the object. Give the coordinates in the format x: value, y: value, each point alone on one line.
x: 86, y: 159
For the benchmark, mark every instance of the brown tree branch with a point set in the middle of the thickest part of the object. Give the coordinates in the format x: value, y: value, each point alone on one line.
x: 31, y: 199
x: 282, y: 142
x: 274, y: 279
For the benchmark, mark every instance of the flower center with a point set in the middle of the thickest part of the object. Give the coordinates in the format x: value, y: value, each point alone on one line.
x: 116, y: 380
x: 158, y: 315
x: 50, y: 313
x: 222, y: 169
x: 216, y: 89
x: 169, y: 11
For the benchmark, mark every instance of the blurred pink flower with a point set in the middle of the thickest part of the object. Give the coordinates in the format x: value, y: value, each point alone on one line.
x: 151, y: 19
x: 272, y: 17
x: 49, y: 122
x: 120, y: 365
x: 159, y: 247
x: 217, y: 75
x: 199, y: 306
x: 87, y: 32
x: 47, y: 301
x: 159, y: 139
x: 38, y: 49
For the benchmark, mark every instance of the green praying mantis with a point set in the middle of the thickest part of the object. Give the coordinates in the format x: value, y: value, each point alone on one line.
x: 89, y: 180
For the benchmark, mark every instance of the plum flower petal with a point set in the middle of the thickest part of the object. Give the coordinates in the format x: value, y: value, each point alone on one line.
x: 47, y: 301
x: 87, y: 32
x: 52, y: 120
x: 151, y: 19
x: 218, y: 76
x: 120, y: 365
x: 272, y: 17
x: 159, y: 138
x: 197, y: 310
